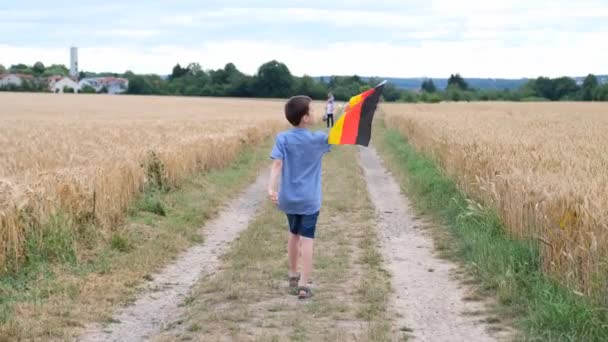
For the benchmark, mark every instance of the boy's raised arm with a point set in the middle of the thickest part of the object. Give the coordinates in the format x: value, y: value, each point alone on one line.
x: 275, y: 172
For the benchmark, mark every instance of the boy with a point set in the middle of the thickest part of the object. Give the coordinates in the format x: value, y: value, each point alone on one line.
x: 297, y: 156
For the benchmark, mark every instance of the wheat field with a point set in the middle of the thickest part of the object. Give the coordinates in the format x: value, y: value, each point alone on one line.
x: 87, y: 157
x: 543, y: 167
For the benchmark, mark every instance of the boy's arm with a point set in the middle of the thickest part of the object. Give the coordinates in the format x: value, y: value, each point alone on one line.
x: 275, y: 172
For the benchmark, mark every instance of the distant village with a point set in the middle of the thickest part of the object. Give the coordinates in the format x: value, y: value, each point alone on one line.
x: 66, y: 84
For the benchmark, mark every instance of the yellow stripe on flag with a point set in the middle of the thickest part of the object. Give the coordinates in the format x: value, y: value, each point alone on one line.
x: 335, y: 134
x: 354, y: 100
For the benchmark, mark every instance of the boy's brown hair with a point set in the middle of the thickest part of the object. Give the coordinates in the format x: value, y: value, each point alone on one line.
x: 296, y: 107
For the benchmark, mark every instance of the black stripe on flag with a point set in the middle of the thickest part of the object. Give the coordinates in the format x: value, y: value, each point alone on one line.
x: 368, y: 108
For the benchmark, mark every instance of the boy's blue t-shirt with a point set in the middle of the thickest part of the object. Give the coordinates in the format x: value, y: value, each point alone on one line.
x: 301, y: 152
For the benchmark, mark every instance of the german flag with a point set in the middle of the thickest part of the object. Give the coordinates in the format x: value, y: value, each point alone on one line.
x: 355, y: 125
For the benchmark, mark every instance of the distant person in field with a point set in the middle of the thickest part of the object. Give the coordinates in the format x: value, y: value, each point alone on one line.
x: 329, y: 110
x: 297, y: 156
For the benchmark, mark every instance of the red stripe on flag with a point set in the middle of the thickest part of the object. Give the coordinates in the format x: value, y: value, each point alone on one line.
x: 351, y: 125
x: 367, y: 93
x: 351, y: 121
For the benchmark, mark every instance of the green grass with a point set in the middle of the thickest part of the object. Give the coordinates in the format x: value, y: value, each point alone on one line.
x: 151, y: 202
x: 507, y: 268
x: 119, y: 243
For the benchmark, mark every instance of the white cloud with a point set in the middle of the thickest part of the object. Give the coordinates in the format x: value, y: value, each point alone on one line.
x: 289, y: 15
x: 508, y: 38
x: 475, y: 58
x: 130, y: 33
x: 508, y: 14
x: 27, y: 15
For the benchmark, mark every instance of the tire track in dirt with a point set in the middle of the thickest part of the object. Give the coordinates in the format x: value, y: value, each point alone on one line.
x: 426, y: 299
x: 159, y: 299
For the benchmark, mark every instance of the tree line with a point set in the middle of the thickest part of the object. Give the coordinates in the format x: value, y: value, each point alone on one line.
x: 539, y: 89
x: 274, y: 80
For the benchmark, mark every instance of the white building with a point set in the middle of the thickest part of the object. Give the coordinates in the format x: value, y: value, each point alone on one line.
x: 15, y: 80
x: 57, y: 84
x: 7, y: 80
x: 116, y: 85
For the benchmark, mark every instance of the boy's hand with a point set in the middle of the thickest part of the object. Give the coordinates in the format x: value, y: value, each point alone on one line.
x: 273, y: 196
x: 275, y: 173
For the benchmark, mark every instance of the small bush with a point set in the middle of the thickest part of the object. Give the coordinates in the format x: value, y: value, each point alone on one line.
x: 156, y: 177
x: 119, y: 243
x: 152, y: 203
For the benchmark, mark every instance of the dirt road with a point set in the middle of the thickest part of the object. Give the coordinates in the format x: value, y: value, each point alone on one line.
x: 426, y: 302
x: 160, y: 299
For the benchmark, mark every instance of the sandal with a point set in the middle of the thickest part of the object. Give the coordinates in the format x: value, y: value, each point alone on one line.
x: 304, y: 292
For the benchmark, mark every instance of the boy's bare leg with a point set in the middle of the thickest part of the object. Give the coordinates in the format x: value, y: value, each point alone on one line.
x: 307, y: 247
x: 293, y: 251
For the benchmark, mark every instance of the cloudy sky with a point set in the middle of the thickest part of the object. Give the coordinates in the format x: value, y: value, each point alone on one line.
x: 400, y: 38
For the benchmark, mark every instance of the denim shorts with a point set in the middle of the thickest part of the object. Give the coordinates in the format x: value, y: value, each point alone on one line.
x: 303, y: 225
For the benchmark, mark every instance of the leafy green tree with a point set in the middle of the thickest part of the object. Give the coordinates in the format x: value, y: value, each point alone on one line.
x: 362, y: 88
x: 458, y: 82
x: 565, y: 88
x: 128, y: 74
x: 56, y: 69
x: 528, y: 89
x: 408, y: 96
x: 230, y: 69
x: 342, y: 93
x: 354, y: 79
x: 428, y: 86
x: 333, y: 82
x: 219, y: 76
x: 20, y: 69
x: 2, y: 69
x: 543, y: 87
x: 82, y: 75
x: 431, y: 97
x: 391, y: 93
x: 453, y: 93
x: 38, y: 68
x: 601, y: 93
x: 343, y: 87
x: 238, y: 84
x: 307, y: 85
x: 178, y: 72
x: 274, y: 80
x: 556, y: 89
x: 590, y: 85
x: 138, y: 86
x: 195, y: 69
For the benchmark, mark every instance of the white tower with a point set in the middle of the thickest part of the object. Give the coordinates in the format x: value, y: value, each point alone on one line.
x: 74, y: 61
